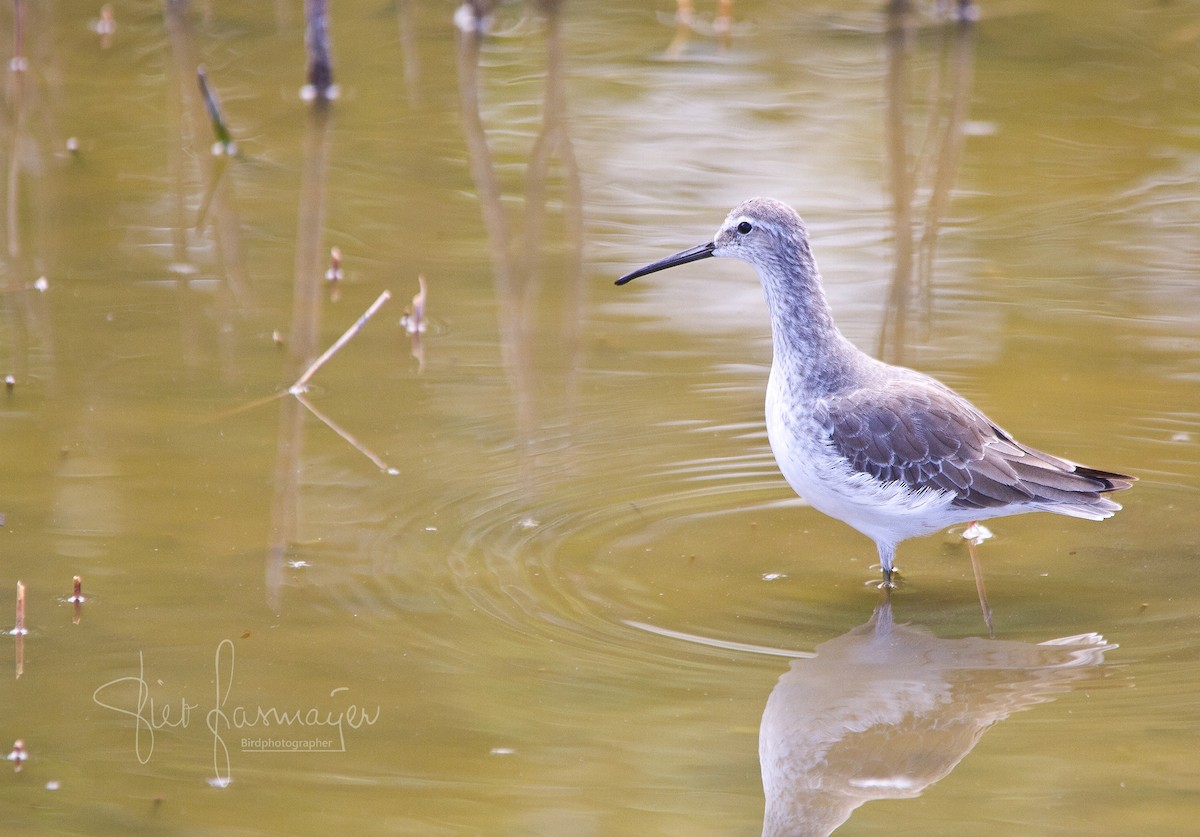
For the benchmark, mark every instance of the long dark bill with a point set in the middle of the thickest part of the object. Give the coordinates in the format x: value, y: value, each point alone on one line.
x: 704, y: 251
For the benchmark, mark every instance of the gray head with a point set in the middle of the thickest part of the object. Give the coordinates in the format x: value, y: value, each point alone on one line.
x: 770, y: 235
x: 764, y: 232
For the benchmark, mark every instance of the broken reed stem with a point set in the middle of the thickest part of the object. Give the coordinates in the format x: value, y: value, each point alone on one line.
x: 19, y: 631
x: 981, y: 590
x: 225, y: 143
x: 77, y: 598
x: 19, y: 628
x: 316, y: 38
x: 17, y: 64
x: 302, y: 381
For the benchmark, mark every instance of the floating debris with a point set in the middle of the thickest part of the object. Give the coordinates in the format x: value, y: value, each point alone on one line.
x: 413, y: 322
x: 73, y: 146
x: 106, y: 26
x: 41, y: 284
x: 19, y: 755
x: 334, y: 274
x: 474, y: 17
x: 9, y: 382
x: 277, y: 337
x: 980, y: 128
x: 684, y: 12
x: 414, y: 314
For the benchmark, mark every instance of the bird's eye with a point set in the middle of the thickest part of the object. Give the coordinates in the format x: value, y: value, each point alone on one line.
x: 744, y: 227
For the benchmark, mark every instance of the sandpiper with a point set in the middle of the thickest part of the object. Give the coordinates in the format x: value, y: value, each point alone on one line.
x: 890, y: 451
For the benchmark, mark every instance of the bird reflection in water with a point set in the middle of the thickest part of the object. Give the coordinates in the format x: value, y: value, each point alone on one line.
x: 885, y: 710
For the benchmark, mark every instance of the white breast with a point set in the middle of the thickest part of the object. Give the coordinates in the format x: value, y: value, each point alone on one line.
x: 884, y: 512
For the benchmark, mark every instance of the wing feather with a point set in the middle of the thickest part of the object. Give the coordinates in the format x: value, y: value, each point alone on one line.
x: 925, y: 436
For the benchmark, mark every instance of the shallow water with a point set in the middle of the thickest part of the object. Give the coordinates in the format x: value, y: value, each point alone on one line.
x: 571, y: 604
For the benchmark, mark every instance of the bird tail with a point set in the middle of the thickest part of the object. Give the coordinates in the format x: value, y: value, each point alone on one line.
x: 1072, y: 489
x: 1100, y: 508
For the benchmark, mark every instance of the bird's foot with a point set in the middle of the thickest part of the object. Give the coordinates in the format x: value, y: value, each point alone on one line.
x: 891, y: 580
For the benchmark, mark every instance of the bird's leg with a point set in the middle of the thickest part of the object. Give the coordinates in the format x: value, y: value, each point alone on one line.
x: 887, y: 554
x: 885, y: 600
x: 979, y: 588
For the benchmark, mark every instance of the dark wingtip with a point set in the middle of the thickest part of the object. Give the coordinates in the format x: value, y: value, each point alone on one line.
x: 1111, y: 480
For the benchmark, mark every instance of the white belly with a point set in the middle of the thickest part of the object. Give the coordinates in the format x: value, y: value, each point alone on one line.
x: 884, y: 512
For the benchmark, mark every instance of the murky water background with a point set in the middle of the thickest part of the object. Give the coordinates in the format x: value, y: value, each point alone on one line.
x: 569, y: 608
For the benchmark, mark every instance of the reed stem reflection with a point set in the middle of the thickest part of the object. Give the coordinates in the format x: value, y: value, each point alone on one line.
x: 520, y: 290
x: 930, y: 169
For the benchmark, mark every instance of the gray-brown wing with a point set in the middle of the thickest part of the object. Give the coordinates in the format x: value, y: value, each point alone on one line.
x: 926, y: 436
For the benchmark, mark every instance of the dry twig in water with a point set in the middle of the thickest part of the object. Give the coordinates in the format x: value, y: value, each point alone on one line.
x: 299, y: 388
x: 302, y: 382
